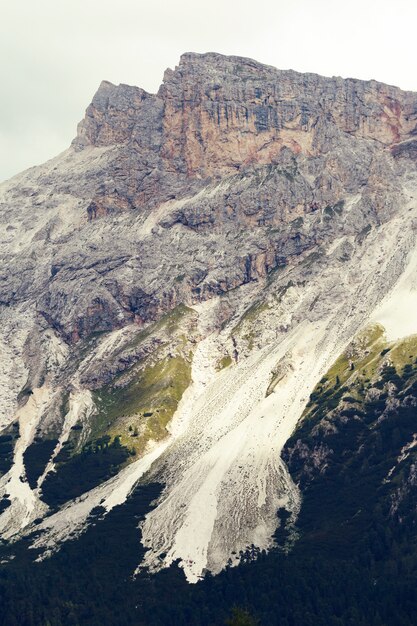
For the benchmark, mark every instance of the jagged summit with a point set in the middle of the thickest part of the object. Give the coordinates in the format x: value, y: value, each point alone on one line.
x: 215, y: 63
x: 233, y: 64
x: 179, y: 280
x: 216, y: 114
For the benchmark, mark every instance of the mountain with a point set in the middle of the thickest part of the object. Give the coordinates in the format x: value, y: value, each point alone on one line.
x: 208, y: 299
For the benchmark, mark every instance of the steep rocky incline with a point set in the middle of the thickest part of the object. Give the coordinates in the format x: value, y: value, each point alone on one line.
x: 213, y: 125
x: 354, y: 453
x: 174, y: 285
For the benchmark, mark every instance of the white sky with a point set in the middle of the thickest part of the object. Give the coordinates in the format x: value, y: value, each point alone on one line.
x: 54, y: 53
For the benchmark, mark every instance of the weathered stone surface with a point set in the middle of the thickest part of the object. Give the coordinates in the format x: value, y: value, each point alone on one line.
x: 234, y: 153
x: 267, y: 200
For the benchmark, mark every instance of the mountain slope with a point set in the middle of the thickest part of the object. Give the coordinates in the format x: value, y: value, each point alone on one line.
x: 175, y: 285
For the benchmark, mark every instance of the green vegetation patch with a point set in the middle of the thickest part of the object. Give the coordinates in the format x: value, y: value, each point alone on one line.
x: 139, y: 402
x: 224, y: 362
x: 368, y: 362
x: 142, y: 409
x: 403, y: 352
x: 361, y: 356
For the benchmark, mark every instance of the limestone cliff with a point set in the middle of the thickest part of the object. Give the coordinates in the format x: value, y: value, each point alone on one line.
x: 176, y: 283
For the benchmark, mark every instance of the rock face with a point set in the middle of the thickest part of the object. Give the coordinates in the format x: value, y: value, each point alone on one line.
x: 204, y: 253
x: 218, y: 115
x: 284, y: 145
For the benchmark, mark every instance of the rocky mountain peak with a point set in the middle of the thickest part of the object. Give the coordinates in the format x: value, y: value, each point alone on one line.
x: 216, y: 114
x: 180, y: 279
x: 111, y: 116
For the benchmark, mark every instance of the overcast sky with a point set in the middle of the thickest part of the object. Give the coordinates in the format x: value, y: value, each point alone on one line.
x: 54, y: 53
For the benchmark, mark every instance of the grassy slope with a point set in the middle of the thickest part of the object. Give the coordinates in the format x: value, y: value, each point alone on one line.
x: 138, y: 405
x: 132, y: 410
x: 141, y: 410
